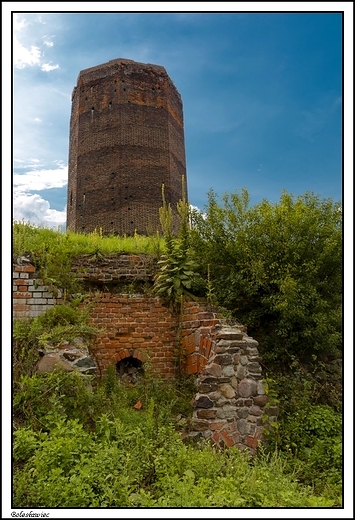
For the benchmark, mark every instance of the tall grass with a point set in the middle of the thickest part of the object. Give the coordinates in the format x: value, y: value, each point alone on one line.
x: 38, y: 240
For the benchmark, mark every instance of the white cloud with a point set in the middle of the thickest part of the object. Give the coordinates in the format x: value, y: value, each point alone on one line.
x: 47, y: 67
x: 38, y: 180
x: 18, y: 24
x: 37, y: 120
x: 29, y: 55
x: 47, y: 41
x: 35, y: 210
x: 25, y: 57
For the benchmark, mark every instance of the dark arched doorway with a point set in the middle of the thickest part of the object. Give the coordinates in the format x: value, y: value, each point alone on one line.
x: 129, y: 369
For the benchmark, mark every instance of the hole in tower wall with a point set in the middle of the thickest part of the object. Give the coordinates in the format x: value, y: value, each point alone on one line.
x: 129, y: 369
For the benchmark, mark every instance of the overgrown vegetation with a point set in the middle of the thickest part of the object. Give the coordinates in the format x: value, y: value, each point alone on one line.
x: 177, y: 276
x: 52, y: 252
x: 62, y: 322
x: 277, y: 268
x: 81, y: 446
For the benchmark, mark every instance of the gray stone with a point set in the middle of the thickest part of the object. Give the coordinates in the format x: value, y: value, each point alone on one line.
x: 204, y: 388
x: 213, y: 370
x: 254, y: 367
x: 226, y: 412
x: 86, y: 362
x: 222, y: 401
x: 251, y: 342
x: 202, y: 402
x: 215, y: 395
x: 236, y: 358
x: 223, y: 359
x: 243, y: 426
x: 257, y: 359
x: 247, y: 388
x: 228, y: 371
x: 241, y: 372
x: 52, y: 362
x: 244, y: 360
x: 243, y: 413
x: 255, y: 410
x: 230, y: 334
x: 71, y: 356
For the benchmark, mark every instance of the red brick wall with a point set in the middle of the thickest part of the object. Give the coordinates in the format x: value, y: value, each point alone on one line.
x: 145, y: 328
x: 140, y: 327
x: 198, y: 335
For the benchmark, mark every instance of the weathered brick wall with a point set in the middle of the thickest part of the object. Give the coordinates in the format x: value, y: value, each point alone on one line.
x: 126, y: 140
x: 135, y: 326
x: 117, y: 268
x: 30, y: 297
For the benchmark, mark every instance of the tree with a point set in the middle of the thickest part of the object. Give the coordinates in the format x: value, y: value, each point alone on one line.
x: 278, y: 268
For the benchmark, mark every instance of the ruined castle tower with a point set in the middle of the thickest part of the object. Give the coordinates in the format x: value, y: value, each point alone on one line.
x: 126, y: 140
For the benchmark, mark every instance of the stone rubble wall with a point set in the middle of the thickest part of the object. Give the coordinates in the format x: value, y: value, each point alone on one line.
x: 230, y: 403
x: 67, y: 356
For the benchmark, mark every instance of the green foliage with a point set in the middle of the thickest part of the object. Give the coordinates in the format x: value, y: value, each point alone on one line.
x: 278, y: 267
x: 69, y: 453
x: 177, y: 275
x: 61, y: 322
x: 52, y: 251
x: 308, y: 435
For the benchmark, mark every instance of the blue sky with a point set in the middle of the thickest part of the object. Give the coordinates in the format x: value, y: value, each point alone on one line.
x: 262, y: 98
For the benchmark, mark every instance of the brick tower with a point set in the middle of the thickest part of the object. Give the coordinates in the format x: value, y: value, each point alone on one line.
x: 126, y: 140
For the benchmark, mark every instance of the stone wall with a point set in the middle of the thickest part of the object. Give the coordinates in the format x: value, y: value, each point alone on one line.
x: 231, y: 400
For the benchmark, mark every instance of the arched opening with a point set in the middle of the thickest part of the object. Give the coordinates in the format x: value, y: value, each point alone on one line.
x: 129, y: 369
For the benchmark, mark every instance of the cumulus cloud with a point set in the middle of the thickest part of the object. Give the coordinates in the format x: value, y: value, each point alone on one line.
x: 25, y: 57
x: 47, y: 67
x: 38, y: 180
x: 36, y: 210
x: 29, y: 55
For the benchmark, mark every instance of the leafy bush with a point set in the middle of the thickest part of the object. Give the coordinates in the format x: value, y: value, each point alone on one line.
x: 278, y: 268
x: 308, y: 435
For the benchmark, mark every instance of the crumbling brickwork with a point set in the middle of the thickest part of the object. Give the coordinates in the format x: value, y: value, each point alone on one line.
x: 126, y: 140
